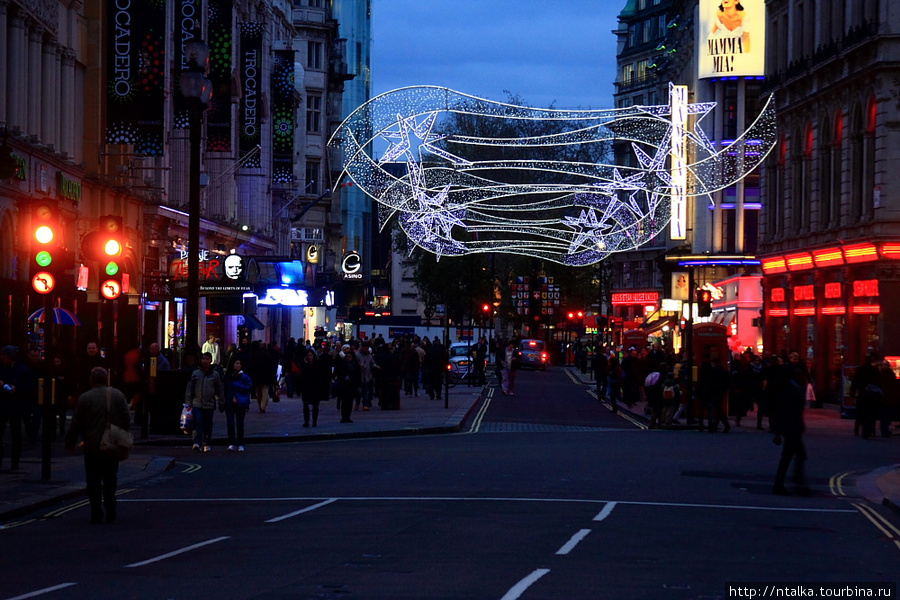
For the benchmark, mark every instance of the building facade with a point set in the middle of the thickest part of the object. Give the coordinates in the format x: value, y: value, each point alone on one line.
x: 98, y: 125
x: 831, y: 216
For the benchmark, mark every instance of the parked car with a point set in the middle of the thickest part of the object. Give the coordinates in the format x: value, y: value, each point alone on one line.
x: 460, y: 360
x: 534, y: 354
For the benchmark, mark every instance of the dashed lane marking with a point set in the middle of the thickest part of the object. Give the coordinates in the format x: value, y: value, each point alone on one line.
x: 176, y: 552
x: 43, y: 591
x: 301, y: 511
x: 517, y: 590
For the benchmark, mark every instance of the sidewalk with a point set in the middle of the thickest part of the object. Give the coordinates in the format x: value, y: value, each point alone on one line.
x: 881, y: 485
x: 23, y: 491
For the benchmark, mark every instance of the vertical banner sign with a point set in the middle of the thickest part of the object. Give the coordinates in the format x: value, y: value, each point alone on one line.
x: 731, y: 38
x: 135, y: 74
x: 218, y: 117
x: 678, y: 222
x: 283, y: 117
x: 251, y: 73
x: 187, y: 25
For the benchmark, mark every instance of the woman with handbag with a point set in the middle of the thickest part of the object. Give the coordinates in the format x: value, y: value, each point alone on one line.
x: 97, y: 410
x: 237, y: 402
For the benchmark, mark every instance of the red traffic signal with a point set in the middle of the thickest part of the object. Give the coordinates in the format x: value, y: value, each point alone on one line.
x: 704, y: 302
x: 485, y: 308
x: 46, y: 251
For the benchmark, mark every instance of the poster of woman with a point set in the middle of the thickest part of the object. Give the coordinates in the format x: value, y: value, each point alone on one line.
x: 731, y: 38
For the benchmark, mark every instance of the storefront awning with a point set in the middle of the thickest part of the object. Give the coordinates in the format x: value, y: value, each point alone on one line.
x: 252, y: 322
x: 655, y: 325
x: 655, y: 322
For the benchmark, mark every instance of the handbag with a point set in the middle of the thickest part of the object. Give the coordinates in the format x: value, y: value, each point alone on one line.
x: 116, y: 442
x: 187, y: 419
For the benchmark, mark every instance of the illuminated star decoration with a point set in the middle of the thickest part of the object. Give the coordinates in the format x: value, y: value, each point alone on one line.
x: 588, y: 230
x: 573, y: 213
x: 423, y: 132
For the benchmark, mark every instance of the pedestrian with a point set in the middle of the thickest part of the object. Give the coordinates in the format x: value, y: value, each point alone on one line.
x: 65, y: 391
x: 91, y: 358
x: 511, y: 360
x: 14, y: 384
x: 237, y: 387
x: 888, y: 406
x: 789, y: 427
x: 436, y: 367
x: 614, y: 381
x: 712, y: 389
x: 95, y: 408
x: 212, y: 347
x: 347, y: 380
x: 409, y: 367
x: 653, y: 392
x: 479, y: 358
x: 203, y: 392
x: 315, y: 385
x: 367, y: 367
x: 866, y: 386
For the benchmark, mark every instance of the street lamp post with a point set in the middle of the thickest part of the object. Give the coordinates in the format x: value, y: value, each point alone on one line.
x: 198, y: 89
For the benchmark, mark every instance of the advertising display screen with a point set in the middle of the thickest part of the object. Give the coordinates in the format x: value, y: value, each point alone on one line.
x: 731, y: 38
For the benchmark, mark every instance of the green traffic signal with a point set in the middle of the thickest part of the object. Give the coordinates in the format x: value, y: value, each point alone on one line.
x: 43, y: 258
x: 112, y: 268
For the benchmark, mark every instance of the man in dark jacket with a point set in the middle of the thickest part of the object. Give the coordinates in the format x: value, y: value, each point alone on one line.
x: 788, y: 425
x: 95, y: 407
x: 203, y: 392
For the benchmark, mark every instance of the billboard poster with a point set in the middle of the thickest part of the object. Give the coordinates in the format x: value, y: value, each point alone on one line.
x: 218, y: 117
x: 283, y: 111
x: 731, y: 38
x: 251, y: 73
x: 136, y: 75
x: 188, y: 23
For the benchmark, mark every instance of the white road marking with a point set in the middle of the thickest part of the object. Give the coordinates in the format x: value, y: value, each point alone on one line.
x: 519, y: 589
x: 573, y: 541
x: 300, y: 512
x: 497, y: 499
x: 605, y: 512
x: 37, y: 593
x: 176, y: 552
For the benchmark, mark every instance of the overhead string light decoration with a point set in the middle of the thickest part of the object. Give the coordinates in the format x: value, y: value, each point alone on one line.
x: 455, y: 192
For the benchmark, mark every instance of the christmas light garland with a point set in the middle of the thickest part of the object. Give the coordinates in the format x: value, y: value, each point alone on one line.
x: 573, y: 213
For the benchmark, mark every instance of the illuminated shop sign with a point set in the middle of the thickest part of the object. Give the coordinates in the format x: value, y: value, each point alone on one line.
x: 635, y: 297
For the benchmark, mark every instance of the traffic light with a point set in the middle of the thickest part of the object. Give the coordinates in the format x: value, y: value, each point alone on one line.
x: 486, y: 309
x: 46, y: 250
x: 105, y: 245
x: 704, y: 303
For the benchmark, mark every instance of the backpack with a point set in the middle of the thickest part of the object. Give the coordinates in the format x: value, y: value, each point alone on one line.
x: 670, y: 390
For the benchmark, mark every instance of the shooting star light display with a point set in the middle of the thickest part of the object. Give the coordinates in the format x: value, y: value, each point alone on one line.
x: 464, y: 193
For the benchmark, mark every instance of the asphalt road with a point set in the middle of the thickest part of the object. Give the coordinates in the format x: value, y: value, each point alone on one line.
x: 545, y: 494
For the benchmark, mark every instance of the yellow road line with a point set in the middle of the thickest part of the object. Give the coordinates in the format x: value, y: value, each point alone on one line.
x: 885, y: 526
x: 622, y: 413
x: 476, y: 424
x: 836, y: 483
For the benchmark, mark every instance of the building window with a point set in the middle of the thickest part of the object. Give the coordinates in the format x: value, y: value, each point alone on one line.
x: 315, y: 3
x: 649, y: 31
x: 314, y: 51
x: 857, y: 166
x: 837, y: 162
x: 313, y: 114
x: 642, y: 66
x: 628, y: 74
x: 312, y: 177
x: 869, y: 158
x: 826, y: 173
